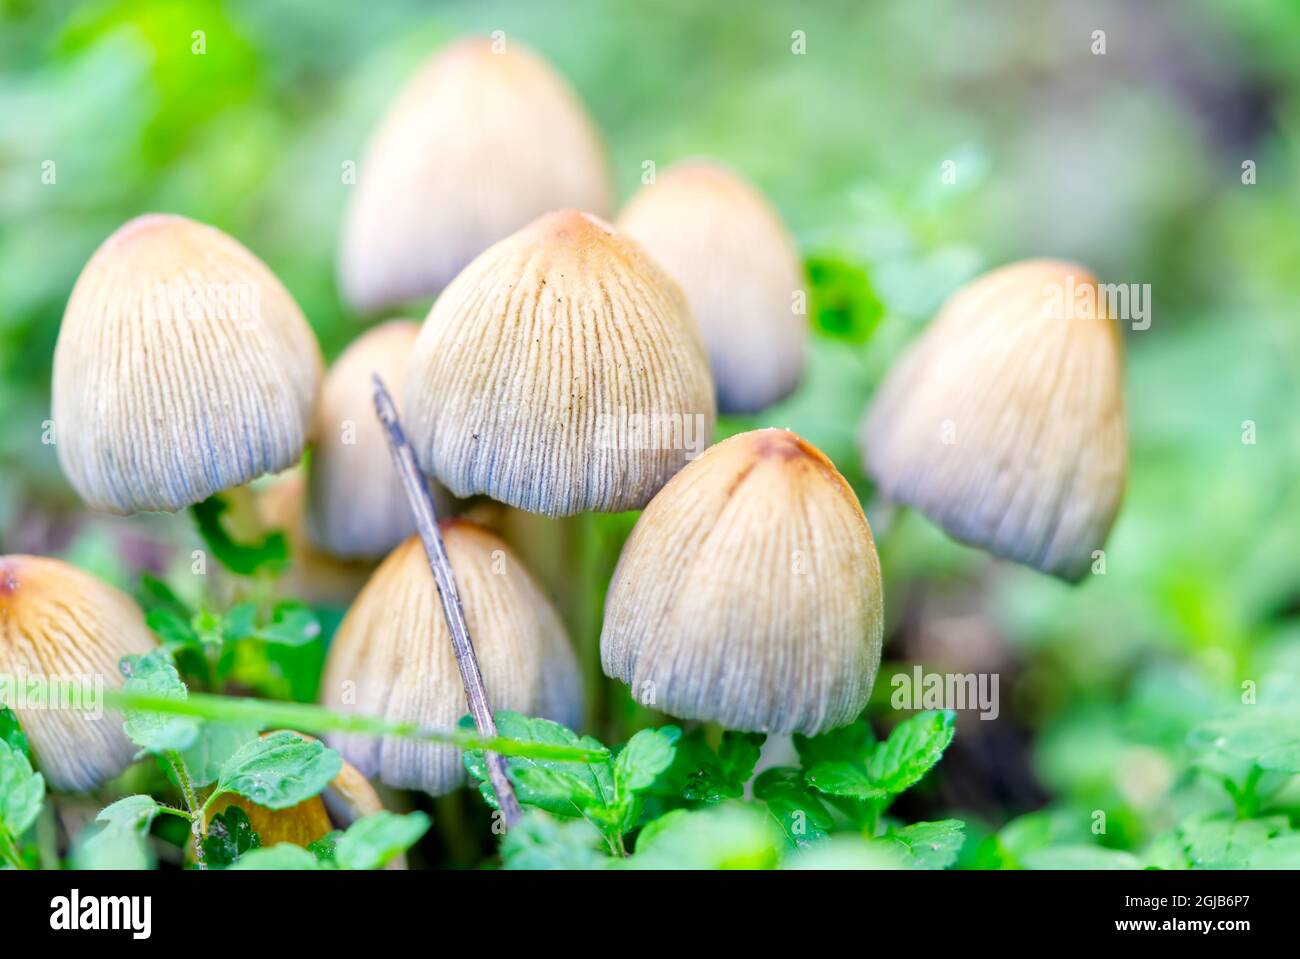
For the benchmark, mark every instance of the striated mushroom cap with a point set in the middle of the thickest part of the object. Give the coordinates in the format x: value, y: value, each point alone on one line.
x: 749, y: 592
x: 183, y: 368
x: 357, y: 505
x: 313, y: 575
x: 63, y: 626
x: 478, y: 144
x: 561, y: 372
x: 719, y: 238
x: 1004, y: 422
x: 392, y: 656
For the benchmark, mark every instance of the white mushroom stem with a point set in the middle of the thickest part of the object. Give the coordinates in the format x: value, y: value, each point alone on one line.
x: 426, y: 521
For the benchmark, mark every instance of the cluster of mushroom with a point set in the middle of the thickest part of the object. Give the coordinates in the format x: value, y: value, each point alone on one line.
x: 749, y: 592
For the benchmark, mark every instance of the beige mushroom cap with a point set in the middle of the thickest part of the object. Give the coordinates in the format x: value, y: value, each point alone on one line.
x: 392, y: 655
x: 561, y: 372
x: 725, y: 244
x: 1004, y: 422
x: 313, y: 575
x: 749, y: 592
x: 478, y: 144
x: 60, y: 624
x: 357, y: 506
x: 183, y: 368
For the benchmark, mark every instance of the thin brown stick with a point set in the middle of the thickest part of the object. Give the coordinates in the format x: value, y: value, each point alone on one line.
x: 426, y: 521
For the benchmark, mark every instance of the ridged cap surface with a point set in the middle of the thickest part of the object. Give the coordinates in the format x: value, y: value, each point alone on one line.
x: 1004, y: 421
x: 721, y: 239
x: 60, y: 623
x: 749, y: 592
x: 183, y: 368
x: 392, y: 656
x: 477, y: 144
x: 536, y: 364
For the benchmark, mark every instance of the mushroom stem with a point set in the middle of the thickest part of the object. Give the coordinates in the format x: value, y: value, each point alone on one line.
x: 426, y: 521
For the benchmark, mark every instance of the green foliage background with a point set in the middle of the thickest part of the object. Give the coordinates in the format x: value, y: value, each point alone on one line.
x: 1130, y: 162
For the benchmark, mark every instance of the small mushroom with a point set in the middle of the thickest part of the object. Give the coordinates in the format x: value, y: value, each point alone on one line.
x: 560, y: 372
x: 312, y: 575
x: 347, y: 798
x: 725, y: 244
x: 484, y: 138
x: 1004, y: 422
x: 183, y: 368
x: 357, y: 507
x: 65, y: 630
x: 749, y: 592
x: 392, y: 655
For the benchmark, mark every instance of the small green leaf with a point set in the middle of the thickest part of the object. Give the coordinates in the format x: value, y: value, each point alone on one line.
x: 280, y: 770
x: 646, y: 755
x: 230, y: 835
x: 540, y: 841
x: 561, y: 788
x: 852, y: 743
x: 913, y: 747
x: 1215, y: 843
x: 245, y: 559
x: 729, y: 836
x: 1268, y: 736
x: 171, y: 627
x: 844, y: 305
x: 801, y: 814
x: 280, y: 856
x: 373, y: 840
x: 844, y: 779
x: 1075, y: 857
x: 323, y: 848
x: 931, y: 845
x: 12, y: 733
x: 292, y: 624
x: 212, y: 748
x: 153, y: 674
x: 120, y: 842
x: 723, y: 776
x: 22, y: 791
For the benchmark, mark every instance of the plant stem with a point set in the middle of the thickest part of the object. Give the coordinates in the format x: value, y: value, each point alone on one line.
x: 9, y: 850
x: 306, y: 717
x: 191, y: 803
x: 426, y: 521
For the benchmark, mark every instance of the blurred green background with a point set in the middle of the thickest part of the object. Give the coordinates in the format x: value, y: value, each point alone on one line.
x: 1130, y: 162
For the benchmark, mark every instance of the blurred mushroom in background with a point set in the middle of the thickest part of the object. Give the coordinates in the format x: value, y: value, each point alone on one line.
x: 1004, y: 422
x: 484, y: 138
x: 725, y: 244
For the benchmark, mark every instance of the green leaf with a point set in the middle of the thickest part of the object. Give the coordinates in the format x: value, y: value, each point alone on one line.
x: 120, y: 842
x: 173, y: 629
x: 22, y: 791
x: 729, y: 836
x: 280, y: 770
x: 152, y: 593
x: 844, y: 305
x: 12, y: 733
x: 540, y: 841
x: 245, y: 559
x: 212, y: 748
x: 931, y: 845
x: 723, y: 776
x: 561, y: 788
x: 913, y: 747
x: 646, y: 755
x: 373, y: 840
x: 844, y: 779
x: 280, y: 856
x: 1267, y: 736
x: 801, y: 814
x: 1217, y: 843
x: 323, y: 848
x: 230, y: 835
x: 1079, y: 856
x: 852, y: 743
x: 154, y: 675
x: 292, y: 624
